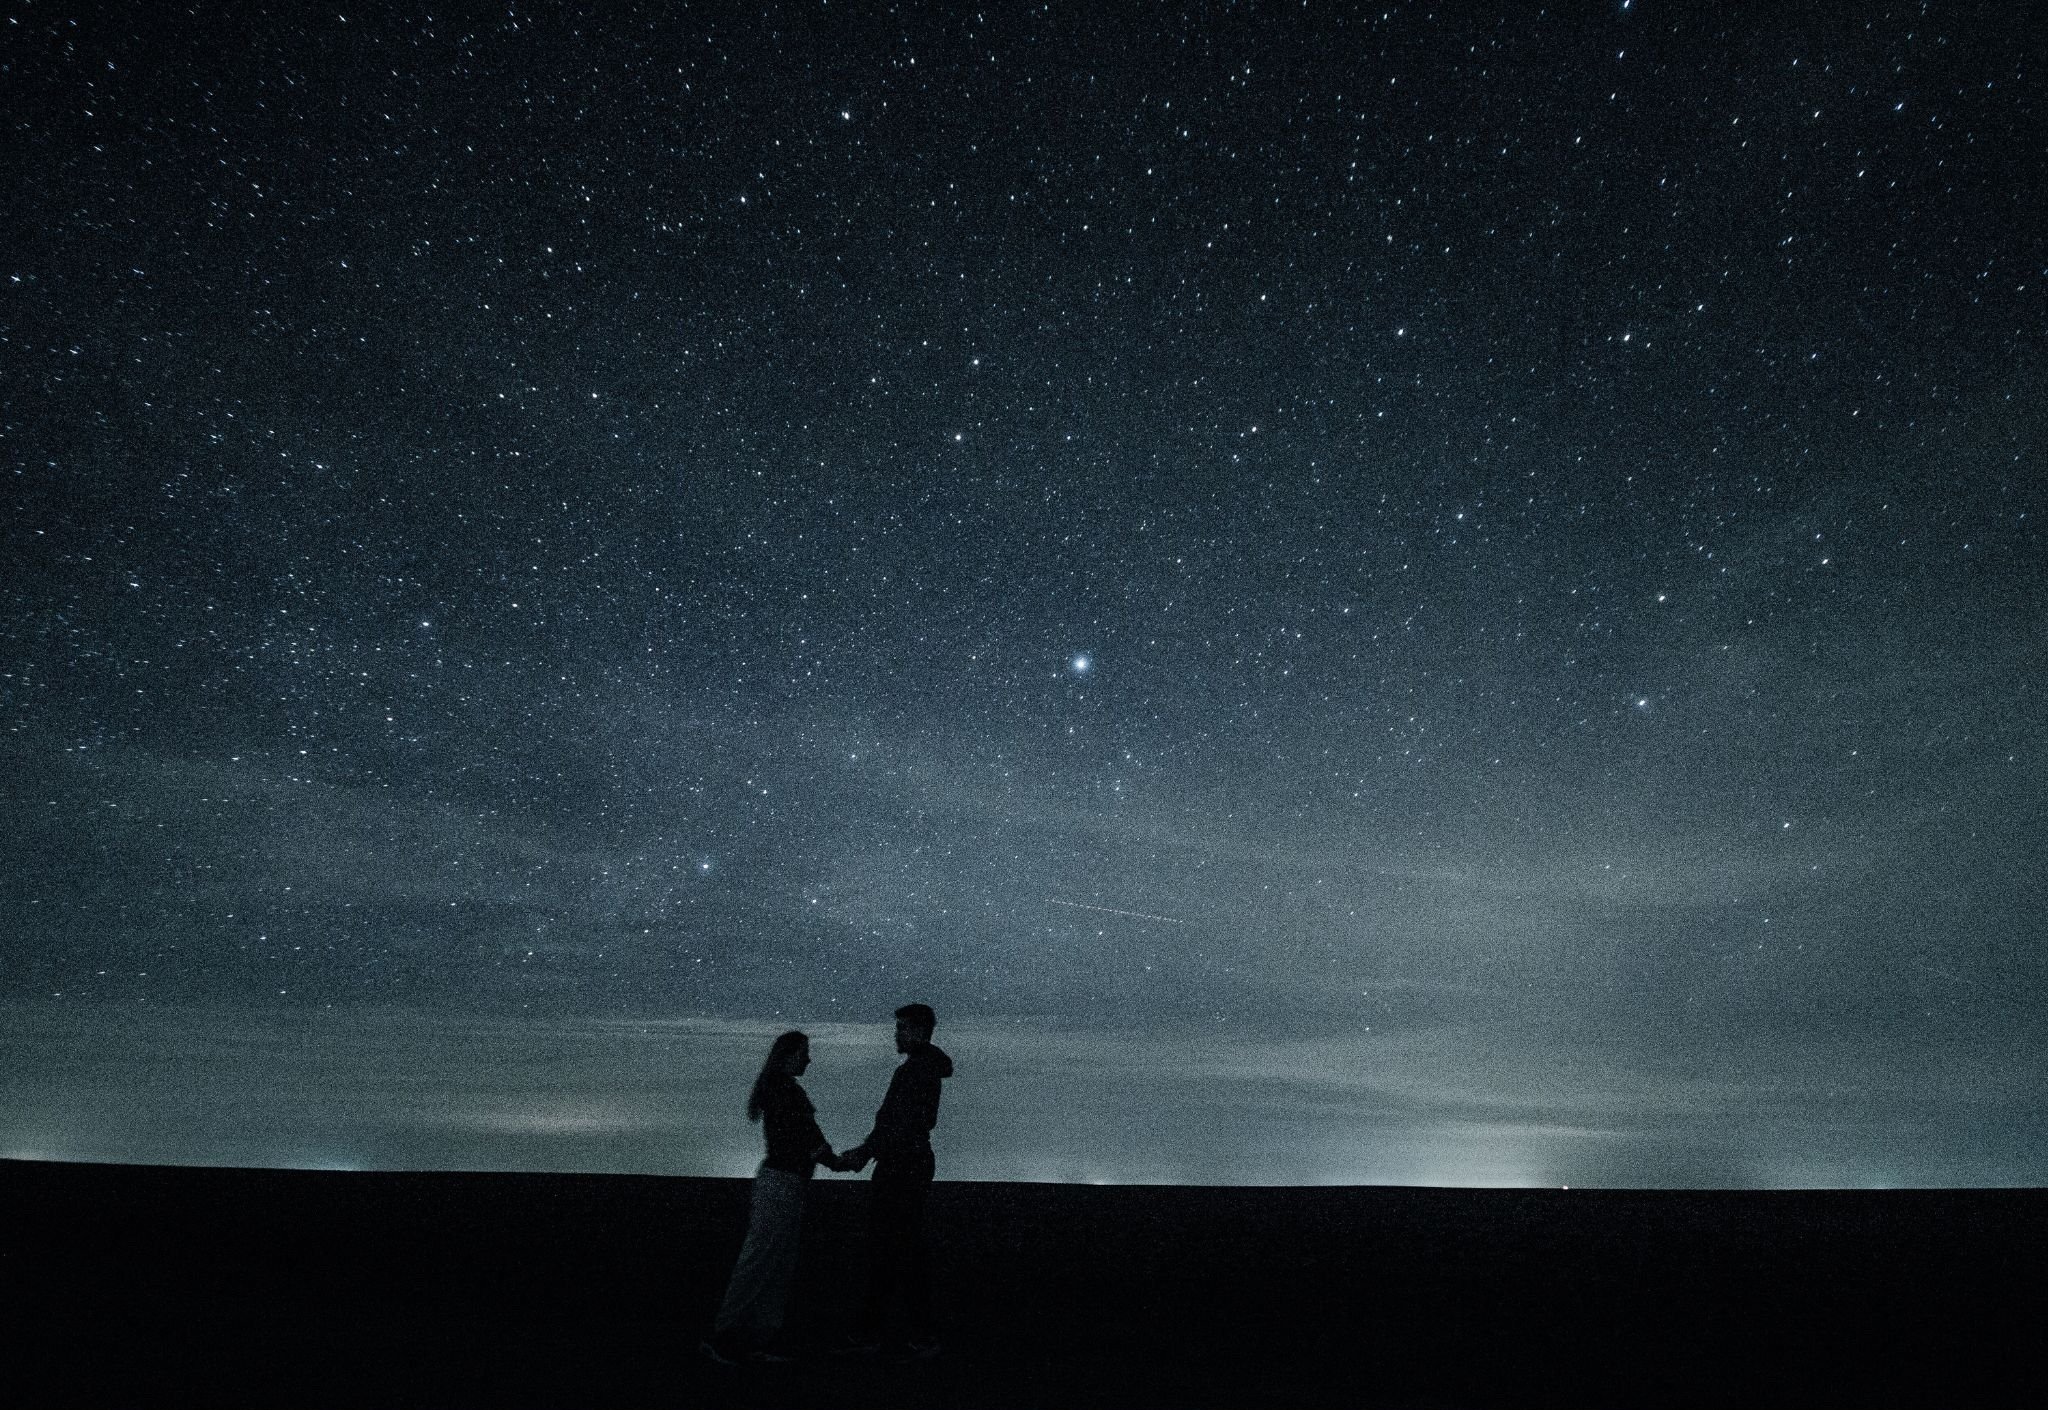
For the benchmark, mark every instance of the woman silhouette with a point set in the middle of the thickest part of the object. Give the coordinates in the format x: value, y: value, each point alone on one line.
x: 751, y: 1315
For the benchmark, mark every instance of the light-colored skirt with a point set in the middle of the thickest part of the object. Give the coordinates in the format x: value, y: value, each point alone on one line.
x: 759, y: 1290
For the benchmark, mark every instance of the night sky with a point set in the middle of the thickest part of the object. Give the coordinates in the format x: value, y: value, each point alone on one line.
x: 1351, y: 593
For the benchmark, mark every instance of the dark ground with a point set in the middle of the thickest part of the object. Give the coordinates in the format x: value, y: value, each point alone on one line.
x: 134, y: 1285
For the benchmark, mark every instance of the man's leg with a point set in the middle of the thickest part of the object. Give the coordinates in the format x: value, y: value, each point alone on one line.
x: 916, y: 1264
x: 884, y: 1256
x: 898, y: 1277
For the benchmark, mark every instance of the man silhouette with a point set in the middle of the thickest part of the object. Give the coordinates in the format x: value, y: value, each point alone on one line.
x: 898, y: 1311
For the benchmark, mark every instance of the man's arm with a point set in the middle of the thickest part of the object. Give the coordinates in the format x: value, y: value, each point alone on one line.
x: 907, y: 1114
x: 885, y: 1119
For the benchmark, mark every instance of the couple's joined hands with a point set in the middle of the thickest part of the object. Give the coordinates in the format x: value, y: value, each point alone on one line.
x: 846, y: 1162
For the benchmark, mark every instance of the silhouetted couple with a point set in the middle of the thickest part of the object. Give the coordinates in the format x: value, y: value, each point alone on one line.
x: 896, y: 1315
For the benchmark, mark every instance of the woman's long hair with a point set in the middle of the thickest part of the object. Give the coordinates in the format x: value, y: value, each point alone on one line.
x: 779, y: 1053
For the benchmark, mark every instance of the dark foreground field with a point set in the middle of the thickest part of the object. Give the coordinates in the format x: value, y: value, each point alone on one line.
x: 136, y: 1285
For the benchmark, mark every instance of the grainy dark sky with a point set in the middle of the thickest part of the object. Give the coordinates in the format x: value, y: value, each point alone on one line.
x: 1490, y: 566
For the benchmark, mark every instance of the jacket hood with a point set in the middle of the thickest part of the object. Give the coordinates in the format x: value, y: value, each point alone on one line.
x: 934, y: 1056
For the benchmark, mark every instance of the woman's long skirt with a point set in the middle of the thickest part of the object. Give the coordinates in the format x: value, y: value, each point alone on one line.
x: 759, y: 1290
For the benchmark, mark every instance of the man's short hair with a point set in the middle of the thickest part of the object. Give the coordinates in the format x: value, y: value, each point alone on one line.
x: 918, y: 1016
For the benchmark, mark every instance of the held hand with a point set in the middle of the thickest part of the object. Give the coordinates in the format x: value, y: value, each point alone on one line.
x: 839, y: 1163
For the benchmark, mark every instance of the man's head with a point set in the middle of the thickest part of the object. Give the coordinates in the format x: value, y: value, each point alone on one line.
x: 914, y: 1025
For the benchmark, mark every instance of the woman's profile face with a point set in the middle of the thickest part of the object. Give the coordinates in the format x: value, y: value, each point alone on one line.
x: 799, y: 1060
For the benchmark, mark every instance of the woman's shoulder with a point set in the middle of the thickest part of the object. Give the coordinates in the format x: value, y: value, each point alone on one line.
x: 781, y: 1092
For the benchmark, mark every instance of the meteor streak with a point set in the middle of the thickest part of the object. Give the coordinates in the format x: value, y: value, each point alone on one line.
x: 1112, y: 910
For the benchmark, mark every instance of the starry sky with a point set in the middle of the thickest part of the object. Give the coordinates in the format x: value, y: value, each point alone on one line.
x: 1351, y: 593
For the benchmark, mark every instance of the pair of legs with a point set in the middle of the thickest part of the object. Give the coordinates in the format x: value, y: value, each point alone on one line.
x: 899, y: 1297
x: 758, y: 1294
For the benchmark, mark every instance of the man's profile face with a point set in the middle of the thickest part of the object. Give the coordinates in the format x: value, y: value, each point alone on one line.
x: 909, y: 1035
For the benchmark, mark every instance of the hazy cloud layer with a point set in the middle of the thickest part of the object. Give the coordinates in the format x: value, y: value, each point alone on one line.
x: 1443, y: 1106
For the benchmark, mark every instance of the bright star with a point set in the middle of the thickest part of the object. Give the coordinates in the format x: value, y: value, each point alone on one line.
x: 1080, y: 665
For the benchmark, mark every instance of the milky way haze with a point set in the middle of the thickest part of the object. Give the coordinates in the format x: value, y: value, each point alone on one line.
x: 1376, y: 584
